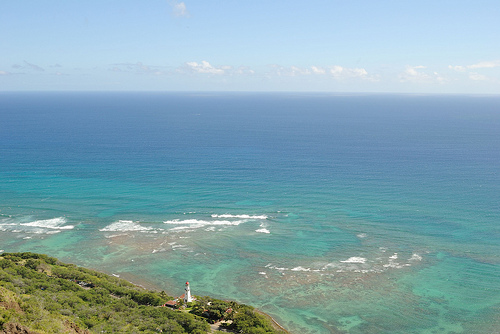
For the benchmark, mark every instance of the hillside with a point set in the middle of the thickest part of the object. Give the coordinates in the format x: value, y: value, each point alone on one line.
x: 39, y: 294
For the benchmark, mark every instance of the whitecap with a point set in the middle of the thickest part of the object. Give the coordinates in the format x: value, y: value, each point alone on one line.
x: 354, y: 259
x: 125, y: 226
x: 190, y: 224
x: 395, y: 265
x: 277, y: 268
x: 114, y: 235
x: 54, y: 223
x: 299, y: 268
x: 415, y: 257
x: 240, y: 216
x: 263, y: 230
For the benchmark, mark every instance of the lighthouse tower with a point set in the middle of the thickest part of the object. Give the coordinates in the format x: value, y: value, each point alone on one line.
x: 187, y: 294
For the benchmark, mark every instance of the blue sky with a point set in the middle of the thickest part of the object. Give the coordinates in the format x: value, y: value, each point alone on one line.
x: 213, y: 45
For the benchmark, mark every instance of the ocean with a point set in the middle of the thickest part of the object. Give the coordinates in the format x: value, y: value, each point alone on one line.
x: 333, y: 213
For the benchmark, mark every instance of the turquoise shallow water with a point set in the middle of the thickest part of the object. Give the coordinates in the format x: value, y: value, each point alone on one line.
x: 355, y: 214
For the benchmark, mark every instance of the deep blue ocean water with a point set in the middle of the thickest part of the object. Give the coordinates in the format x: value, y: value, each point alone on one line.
x: 332, y: 213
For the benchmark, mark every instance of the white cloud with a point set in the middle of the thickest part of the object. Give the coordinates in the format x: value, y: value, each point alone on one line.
x: 483, y: 64
x: 411, y: 74
x: 299, y: 71
x: 318, y: 70
x: 178, y: 8
x: 340, y: 72
x: 204, y: 67
x: 418, y: 74
x: 337, y: 72
x: 478, y: 77
x: 288, y: 71
x: 458, y: 68
x: 475, y: 76
x: 439, y: 78
x: 4, y: 73
x: 244, y: 70
x: 138, y: 67
x: 359, y: 72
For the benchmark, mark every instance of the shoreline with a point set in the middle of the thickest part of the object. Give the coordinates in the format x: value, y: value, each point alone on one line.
x: 50, y: 271
x: 145, y: 284
x: 276, y: 324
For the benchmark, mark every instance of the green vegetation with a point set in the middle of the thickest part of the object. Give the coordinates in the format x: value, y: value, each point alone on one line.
x: 39, y: 294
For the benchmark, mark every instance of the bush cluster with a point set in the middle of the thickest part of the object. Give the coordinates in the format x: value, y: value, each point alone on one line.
x: 48, y: 296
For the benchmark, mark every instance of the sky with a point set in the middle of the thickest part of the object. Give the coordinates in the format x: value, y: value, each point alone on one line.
x: 398, y: 46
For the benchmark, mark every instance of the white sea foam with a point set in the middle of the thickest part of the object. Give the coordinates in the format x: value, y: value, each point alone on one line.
x: 115, y: 235
x: 240, y: 216
x: 393, y: 264
x: 270, y: 266
x: 396, y: 265
x: 362, y: 235
x: 262, y: 230
x: 299, y: 268
x: 192, y: 224
x: 125, y: 226
x: 354, y: 259
x: 54, y: 223
x: 415, y: 257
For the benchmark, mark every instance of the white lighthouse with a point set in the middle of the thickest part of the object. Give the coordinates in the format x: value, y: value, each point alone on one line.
x: 187, y: 294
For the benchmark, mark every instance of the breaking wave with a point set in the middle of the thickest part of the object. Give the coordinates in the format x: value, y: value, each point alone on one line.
x: 125, y: 226
x: 43, y: 226
x: 240, y: 216
x: 354, y: 264
x: 263, y: 230
x: 54, y: 223
x: 192, y: 224
x: 354, y: 259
